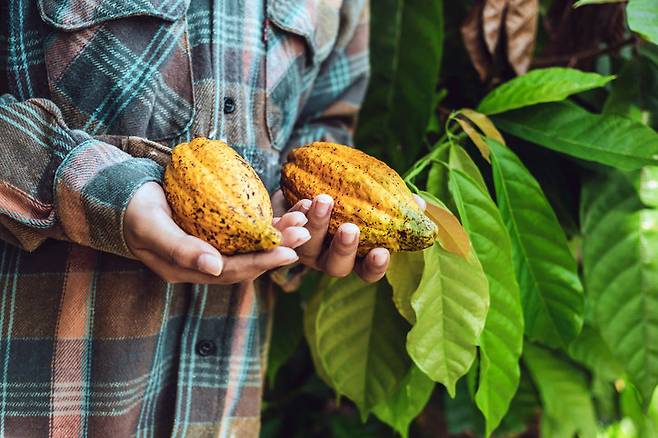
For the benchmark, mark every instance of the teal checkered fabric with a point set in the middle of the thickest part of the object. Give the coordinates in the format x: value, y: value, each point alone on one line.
x: 93, y: 94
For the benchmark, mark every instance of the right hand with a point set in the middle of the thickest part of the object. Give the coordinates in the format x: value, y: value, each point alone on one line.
x: 177, y: 257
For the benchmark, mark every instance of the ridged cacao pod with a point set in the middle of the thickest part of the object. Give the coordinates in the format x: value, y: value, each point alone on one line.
x: 366, y: 193
x: 215, y: 195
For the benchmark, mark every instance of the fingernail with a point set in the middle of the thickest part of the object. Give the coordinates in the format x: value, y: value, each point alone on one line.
x: 304, y: 236
x: 306, y: 204
x: 209, y: 264
x: 291, y: 256
x: 379, y: 259
x: 348, y: 234
x: 322, y: 205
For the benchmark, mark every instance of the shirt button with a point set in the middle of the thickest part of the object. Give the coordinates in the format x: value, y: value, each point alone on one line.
x: 229, y: 105
x: 206, y: 347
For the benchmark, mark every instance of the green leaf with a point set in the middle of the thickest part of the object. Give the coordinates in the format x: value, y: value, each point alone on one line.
x: 551, y: 292
x: 451, y: 306
x: 648, y: 186
x: 563, y: 390
x: 461, y: 416
x: 539, y: 86
x: 502, y: 338
x: 523, y: 408
x: 437, y: 177
x: 634, y: 94
x: 643, y: 18
x: 287, y: 331
x: 580, y: 3
x: 404, y: 273
x: 620, y: 255
x: 590, y: 349
x: 310, y: 317
x: 407, y: 402
x: 361, y: 341
x: 405, y: 62
x: 564, y: 127
x: 460, y: 160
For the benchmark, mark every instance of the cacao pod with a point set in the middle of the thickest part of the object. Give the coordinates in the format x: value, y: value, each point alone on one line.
x: 366, y: 193
x: 215, y: 195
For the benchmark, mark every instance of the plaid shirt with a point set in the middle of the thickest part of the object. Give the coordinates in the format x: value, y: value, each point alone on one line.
x: 93, y: 93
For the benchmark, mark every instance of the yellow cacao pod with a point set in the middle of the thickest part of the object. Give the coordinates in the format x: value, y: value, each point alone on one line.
x: 366, y: 193
x: 215, y: 195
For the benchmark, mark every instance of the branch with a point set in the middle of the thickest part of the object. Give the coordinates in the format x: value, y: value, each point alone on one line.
x: 572, y: 59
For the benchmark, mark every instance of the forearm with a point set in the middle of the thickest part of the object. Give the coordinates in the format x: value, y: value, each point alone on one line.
x: 62, y: 183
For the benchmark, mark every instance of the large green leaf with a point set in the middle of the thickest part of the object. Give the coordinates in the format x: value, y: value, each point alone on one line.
x: 405, y: 60
x: 361, y: 341
x: 287, y: 332
x: 643, y: 18
x: 551, y: 291
x: 451, y: 306
x: 620, y: 255
x: 539, y: 86
x: 407, y: 402
x: 564, y: 127
x: 404, y: 274
x: 590, y: 349
x: 635, y: 93
x: 523, y: 408
x: 460, y: 160
x: 310, y: 317
x: 502, y: 338
x: 563, y: 390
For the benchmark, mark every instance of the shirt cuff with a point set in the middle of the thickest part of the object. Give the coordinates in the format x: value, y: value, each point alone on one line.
x: 93, y: 186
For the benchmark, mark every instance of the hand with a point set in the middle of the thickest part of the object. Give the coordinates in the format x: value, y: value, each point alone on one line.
x: 339, y: 259
x: 177, y: 257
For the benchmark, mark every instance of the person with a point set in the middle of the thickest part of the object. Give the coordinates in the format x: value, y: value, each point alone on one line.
x: 113, y: 321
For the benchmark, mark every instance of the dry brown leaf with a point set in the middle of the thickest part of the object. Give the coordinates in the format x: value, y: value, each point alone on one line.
x: 520, y: 29
x: 452, y: 236
x: 492, y: 22
x: 476, y: 48
x: 476, y: 138
x: 484, y: 123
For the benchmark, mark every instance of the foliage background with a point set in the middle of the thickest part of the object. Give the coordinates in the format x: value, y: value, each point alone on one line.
x: 562, y: 221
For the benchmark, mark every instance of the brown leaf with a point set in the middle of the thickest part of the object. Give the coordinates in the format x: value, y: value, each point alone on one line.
x: 476, y: 138
x: 471, y: 30
x: 492, y: 22
x: 484, y: 123
x: 520, y: 29
x: 452, y: 236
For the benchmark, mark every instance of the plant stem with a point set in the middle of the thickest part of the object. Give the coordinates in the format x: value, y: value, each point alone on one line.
x: 572, y: 59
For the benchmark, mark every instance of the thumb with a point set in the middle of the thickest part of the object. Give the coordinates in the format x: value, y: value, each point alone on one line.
x: 160, y: 235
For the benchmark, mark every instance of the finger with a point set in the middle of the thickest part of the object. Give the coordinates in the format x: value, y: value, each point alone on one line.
x: 341, y: 255
x: 278, y: 203
x: 318, y: 222
x: 292, y: 219
x: 373, y: 266
x: 421, y: 202
x: 304, y: 205
x: 160, y: 235
x: 294, y: 237
x: 249, y: 266
x: 172, y: 273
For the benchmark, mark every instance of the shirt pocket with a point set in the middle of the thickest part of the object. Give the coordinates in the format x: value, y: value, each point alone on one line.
x: 300, y: 37
x: 120, y: 67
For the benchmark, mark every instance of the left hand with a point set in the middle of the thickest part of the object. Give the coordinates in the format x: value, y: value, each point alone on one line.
x: 339, y: 259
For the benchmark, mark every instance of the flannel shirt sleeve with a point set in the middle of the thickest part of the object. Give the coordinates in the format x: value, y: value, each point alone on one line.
x: 61, y: 183
x: 331, y: 110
